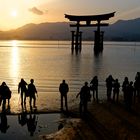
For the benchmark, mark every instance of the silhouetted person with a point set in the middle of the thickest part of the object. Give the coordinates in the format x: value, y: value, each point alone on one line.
x: 31, y: 124
x: 22, y: 90
x: 116, y: 90
x: 125, y: 87
x: 84, y: 98
x: 64, y: 89
x: 3, y: 125
x: 94, y: 87
x: 22, y: 118
x: 32, y: 91
x: 137, y: 86
x: 135, y: 91
x: 1, y: 94
x: 5, y: 93
x: 129, y: 96
x: 109, y: 85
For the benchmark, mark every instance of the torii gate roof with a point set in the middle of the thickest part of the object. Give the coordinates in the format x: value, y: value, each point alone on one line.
x: 89, y: 17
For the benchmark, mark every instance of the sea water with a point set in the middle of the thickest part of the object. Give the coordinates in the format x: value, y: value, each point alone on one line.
x: 28, y: 126
x: 49, y: 62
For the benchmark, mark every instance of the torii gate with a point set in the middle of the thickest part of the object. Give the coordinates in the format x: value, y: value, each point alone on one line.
x: 77, y: 35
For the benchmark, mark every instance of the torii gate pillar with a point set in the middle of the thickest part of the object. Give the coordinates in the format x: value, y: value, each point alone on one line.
x: 76, y: 42
x: 98, y: 39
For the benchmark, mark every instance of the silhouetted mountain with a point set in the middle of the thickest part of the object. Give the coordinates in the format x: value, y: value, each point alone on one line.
x: 124, y: 30
x: 55, y: 31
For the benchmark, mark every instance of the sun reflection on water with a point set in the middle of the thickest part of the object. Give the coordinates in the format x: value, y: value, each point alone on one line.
x: 14, y: 70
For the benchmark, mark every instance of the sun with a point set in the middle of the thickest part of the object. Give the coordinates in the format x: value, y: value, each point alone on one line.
x: 14, y: 13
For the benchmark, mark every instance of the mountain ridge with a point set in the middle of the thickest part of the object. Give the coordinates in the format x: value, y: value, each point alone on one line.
x: 122, y: 30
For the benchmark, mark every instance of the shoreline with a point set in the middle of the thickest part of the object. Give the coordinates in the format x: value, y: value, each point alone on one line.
x: 104, y: 121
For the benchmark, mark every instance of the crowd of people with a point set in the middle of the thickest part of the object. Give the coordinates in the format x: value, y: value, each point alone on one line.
x: 88, y: 92
x: 25, y: 90
x: 130, y: 90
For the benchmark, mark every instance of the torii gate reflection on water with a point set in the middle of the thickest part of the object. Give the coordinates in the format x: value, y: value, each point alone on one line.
x: 99, y: 35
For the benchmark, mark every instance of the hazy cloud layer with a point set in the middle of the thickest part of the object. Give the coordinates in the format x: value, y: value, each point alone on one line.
x: 36, y: 11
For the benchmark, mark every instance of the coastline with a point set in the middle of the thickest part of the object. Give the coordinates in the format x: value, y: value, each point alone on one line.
x: 104, y: 121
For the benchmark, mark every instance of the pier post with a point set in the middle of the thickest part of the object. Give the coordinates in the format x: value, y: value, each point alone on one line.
x: 80, y: 40
x: 73, y: 39
x: 98, y: 41
x: 77, y: 37
x: 101, y: 40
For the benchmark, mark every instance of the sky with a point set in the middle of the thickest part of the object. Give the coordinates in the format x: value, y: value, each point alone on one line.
x: 16, y: 13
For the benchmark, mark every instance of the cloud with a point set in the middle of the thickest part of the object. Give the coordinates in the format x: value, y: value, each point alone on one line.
x: 36, y: 11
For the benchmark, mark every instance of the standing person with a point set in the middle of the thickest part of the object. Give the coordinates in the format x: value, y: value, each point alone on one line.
x: 94, y: 87
x: 84, y: 98
x: 116, y: 90
x: 22, y: 90
x: 136, y: 91
x: 137, y: 87
x: 32, y: 90
x: 129, y: 96
x: 5, y: 93
x: 64, y: 89
x: 125, y: 88
x: 109, y: 85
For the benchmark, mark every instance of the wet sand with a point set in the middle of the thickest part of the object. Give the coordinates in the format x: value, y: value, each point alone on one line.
x: 105, y: 121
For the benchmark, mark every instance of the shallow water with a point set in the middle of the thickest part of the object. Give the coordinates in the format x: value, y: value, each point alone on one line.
x: 15, y: 129
x: 48, y: 62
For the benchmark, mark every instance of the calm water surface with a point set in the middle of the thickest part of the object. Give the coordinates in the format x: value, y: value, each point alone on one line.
x: 48, y: 62
x: 15, y: 129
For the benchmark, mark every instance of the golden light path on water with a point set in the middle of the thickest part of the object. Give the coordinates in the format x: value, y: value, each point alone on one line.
x: 15, y: 59
x: 14, y: 74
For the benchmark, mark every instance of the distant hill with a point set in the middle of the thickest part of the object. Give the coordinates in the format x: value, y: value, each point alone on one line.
x: 49, y: 31
x: 122, y: 30
x: 125, y: 30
